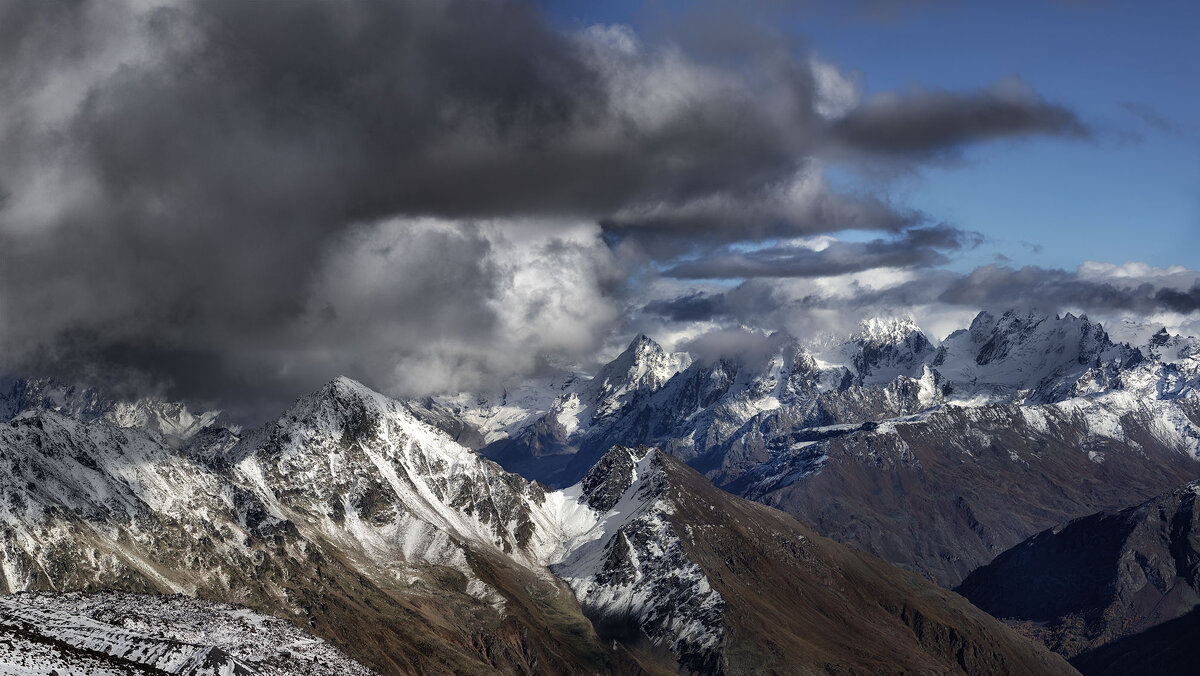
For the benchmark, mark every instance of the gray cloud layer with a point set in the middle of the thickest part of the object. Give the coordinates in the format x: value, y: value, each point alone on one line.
x: 915, y: 248
x: 227, y: 196
x: 759, y: 302
x: 925, y: 123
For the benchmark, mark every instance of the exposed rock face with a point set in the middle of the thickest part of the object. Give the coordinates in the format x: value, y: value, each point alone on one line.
x: 1110, y: 590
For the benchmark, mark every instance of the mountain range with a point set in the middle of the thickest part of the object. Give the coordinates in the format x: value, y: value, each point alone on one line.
x: 671, y: 513
x: 351, y: 517
x: 934, y: 458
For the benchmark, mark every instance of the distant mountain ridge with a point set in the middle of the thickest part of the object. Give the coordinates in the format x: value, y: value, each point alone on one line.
x: 801, y: 428
x: 173, y: 420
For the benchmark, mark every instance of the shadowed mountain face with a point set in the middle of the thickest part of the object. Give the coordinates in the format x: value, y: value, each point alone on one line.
x: 944, y: 493
x: 934, y: 458
x: 353, y: 518
x: 1167, y: 649
x: 1110, y: 590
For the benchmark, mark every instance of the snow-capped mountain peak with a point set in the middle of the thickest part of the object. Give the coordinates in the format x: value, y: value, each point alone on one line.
x: 361, y: 468
x: 1028, y: 357
x: 885, y: 330
x: 884, y: 349
x: 641, y: 369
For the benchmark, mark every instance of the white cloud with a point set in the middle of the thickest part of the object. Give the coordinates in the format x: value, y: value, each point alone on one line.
x: 1132, y: 273
x: 418, y: 306
x: 837, y: 94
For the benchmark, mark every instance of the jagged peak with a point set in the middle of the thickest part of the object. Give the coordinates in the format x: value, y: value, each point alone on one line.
x: 643, y: 367
x: 607, y: 480
x: 345, y: 389
x: 643, y: 342
x: 343, y: 403
x: 1162, y: 337
x: 640, y: 349
x: 1015, y: 320
x: 881, y: 330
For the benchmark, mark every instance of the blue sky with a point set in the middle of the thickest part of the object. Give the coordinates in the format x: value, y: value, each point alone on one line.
x: 1130, y: 70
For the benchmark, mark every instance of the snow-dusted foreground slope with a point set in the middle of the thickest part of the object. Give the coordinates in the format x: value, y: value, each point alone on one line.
x: 113, y: 633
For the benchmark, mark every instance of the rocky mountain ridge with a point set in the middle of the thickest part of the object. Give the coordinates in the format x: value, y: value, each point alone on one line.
x: 172, y: 420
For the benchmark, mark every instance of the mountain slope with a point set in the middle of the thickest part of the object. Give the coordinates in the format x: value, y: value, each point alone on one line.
x: 944, y: 492
x: 109, y: 633
x: 736, y: 587
x: 93, y: 507
x: 1102, y: 588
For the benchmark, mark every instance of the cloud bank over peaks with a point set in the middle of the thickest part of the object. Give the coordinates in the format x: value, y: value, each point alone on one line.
x: 939, y: 299
x: 220, y: 197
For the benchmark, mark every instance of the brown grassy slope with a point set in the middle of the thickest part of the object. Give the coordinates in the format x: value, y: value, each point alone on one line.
x: 801, y: 603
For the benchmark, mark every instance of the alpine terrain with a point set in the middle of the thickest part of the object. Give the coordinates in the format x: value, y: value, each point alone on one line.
x: 935, y: 458
x: 358, y: 521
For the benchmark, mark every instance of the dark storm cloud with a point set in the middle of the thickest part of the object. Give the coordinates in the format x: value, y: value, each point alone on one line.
x: 697, y: 306
x: 766, y: 213
x: 750, y: 302
x: 995, y: 286
x: 254, y: 197
x: 1047, y: 289
x: 1179, y: 301
x: 915, y: 248
x: 929, y: 123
